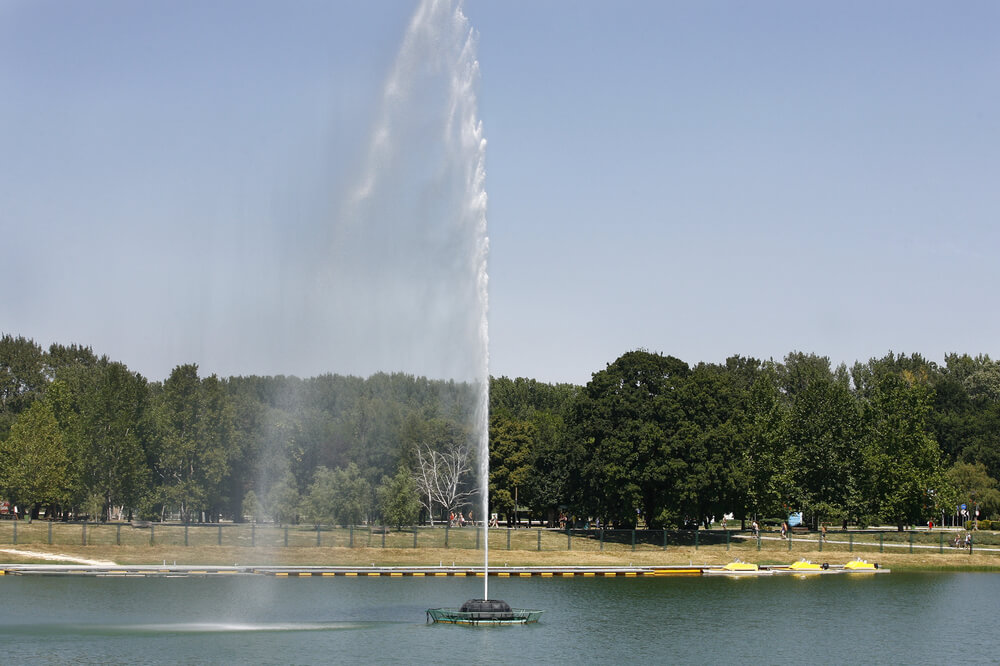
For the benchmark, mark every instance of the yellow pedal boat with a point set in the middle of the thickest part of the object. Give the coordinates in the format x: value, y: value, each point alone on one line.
x: 863, y: 566
x: 738, y: 568
x: 805, y: 567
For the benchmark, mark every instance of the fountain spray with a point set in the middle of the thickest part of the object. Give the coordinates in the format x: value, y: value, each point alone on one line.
x: 421, y: 204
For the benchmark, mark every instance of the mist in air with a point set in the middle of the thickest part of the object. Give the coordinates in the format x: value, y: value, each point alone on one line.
x: 382, y: 262
x: 407, y: 275
x: 271, y: 190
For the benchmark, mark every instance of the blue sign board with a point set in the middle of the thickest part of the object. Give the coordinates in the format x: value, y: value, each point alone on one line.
x: 795, y: 519
x: 963, y: 507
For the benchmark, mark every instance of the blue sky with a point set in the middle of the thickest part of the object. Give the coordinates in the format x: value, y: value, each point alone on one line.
x: 699, y: 179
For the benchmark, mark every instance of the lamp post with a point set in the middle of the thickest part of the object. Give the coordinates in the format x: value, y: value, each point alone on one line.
x: 516, y: 523
x: 933, y: 496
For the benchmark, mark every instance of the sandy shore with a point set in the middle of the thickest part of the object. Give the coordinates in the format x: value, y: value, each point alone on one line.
x: 54, y: 557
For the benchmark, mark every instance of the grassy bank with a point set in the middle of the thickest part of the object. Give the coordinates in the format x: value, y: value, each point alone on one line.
x: 339, y: 556
x: 248, y: 544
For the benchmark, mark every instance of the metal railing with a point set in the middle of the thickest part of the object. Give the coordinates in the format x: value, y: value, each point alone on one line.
x: 525, y: 539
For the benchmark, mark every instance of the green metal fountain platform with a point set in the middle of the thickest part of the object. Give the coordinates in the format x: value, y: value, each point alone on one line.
x: 483, y: 612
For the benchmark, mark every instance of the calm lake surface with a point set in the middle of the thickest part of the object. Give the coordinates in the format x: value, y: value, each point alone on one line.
x: 903, y: 618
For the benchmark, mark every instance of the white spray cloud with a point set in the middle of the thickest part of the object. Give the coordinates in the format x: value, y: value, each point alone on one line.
x: 407, y: 280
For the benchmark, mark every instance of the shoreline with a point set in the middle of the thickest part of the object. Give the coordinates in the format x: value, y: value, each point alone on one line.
x: 79, y: 557
x: 157, y: 571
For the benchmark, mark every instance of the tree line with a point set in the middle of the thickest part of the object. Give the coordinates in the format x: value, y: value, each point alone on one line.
x: 650, y: 440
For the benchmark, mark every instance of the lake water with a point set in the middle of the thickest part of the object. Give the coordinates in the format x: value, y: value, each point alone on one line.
x: 904, y: 618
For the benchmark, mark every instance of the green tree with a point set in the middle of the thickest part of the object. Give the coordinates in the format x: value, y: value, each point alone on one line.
x: 195, y: 433
x: 624, y: 422
x: 217, y: 443
x: 799, y: 370
x: 510, y: 462
x: 251, y: 506
x: 282, y: 500
x: 983, y: 384
x: 111, y: 461
x: 823, y: 450
x: 22, y: 378
x: 972, y: 485
x: 34, y: 468
x: 550, y: 463
x: 965, y: 418
x: 955, y: 419
x: 341, y: 496
x: 765, y: 479
x: 902, y: 459
x: 320, y: 503
x: 550, y: 453
x: 706, y: 445
x: 397, y: 499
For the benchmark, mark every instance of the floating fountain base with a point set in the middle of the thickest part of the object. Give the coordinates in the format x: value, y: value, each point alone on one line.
x: 484, y: 612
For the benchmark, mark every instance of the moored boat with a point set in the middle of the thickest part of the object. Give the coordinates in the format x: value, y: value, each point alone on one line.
x: 805, y: 567
x: 738, y: 568
x: 863, y: 566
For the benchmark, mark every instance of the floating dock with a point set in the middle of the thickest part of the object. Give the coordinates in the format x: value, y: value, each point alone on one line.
x: 327, y: 571
x: 174, y: 571
x: 800, y: 568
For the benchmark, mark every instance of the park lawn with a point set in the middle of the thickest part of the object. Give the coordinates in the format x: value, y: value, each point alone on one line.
x: 303, y: 545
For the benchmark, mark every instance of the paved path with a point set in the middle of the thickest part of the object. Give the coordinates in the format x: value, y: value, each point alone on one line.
x: 873, y: 544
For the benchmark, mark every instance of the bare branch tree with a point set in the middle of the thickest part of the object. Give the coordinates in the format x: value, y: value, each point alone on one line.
x: 425, y: 476
x: 440, y: 475
x: 454, y: 464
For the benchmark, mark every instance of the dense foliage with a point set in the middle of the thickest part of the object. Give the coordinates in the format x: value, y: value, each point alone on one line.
x: 650, y: 440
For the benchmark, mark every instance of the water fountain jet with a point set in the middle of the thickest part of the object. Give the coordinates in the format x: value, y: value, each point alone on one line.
x: 437, y: 57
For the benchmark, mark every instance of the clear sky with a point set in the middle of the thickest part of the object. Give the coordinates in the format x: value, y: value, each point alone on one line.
x: 700, y: 179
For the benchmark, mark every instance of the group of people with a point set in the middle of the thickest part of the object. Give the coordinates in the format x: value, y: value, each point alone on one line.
x: 755, y: 528
x: 959, y: 543
x: 460, y: 520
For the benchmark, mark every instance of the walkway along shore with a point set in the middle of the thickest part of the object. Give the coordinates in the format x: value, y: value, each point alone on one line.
x: 946, y: 547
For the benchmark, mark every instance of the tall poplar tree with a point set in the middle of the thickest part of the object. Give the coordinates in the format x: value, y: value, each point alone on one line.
x: 194, y: 440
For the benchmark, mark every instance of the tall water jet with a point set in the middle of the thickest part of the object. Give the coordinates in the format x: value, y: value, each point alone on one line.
x: 408, y: 280
x: 420, y: 204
